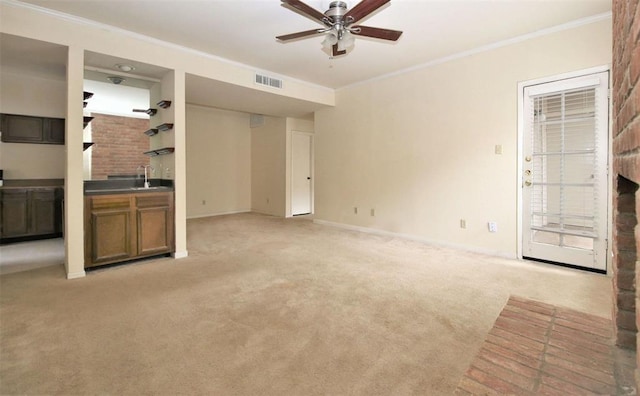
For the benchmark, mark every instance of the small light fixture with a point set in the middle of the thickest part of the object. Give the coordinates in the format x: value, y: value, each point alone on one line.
x: 329, y: 40
x: 125, y: 68
x: 117, y: 80
x: 340, y: 36
x: 347, y: 41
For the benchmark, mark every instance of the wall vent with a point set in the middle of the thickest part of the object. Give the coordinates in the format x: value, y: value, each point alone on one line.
x: 268, y: 81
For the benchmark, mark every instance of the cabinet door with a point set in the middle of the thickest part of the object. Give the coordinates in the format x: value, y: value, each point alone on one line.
x: 59, y: 210
x: 54, y: 130
x: 110, y: 230
x: 154, y: 213
x: 22, y: 129
x: 43, y: 211
x: 15, y: 212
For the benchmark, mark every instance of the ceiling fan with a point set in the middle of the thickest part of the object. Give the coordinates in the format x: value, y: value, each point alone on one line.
x: 339, y: 23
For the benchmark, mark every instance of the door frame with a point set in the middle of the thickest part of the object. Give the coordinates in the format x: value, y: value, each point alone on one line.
x: 520, y: 169
x: 311, y: 169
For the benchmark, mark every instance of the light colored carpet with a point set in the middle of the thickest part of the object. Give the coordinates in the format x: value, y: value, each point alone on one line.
x: 270, y: 306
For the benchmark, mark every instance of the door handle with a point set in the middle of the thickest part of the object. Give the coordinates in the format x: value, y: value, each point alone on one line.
x: 527, y: 183
x: 309, y: 178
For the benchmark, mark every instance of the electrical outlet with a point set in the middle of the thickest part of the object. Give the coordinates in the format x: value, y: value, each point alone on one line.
x: 355, y: 210
x: 373, y: 212
x: 498, y: 149
x: 493, y: 226
x: 463, y: 223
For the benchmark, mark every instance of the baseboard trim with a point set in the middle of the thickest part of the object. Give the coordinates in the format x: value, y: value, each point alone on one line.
x: 375, y: 231
x: 180, y: 255
x: 76, y: 275
x: 219, y: 214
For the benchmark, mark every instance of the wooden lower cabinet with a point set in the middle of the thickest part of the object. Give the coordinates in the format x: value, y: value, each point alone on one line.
x: 15, y: 213
x: 154, y: 216
x: 30, y: 213
x: 122, y: 227
x: 45, y: 216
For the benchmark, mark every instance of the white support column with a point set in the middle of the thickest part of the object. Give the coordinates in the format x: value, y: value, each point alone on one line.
x: 181, y: 164
x: 173, y: 88
x: 73, y: 185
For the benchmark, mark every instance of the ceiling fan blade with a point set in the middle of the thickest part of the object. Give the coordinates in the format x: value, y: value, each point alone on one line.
x: 384, y: 34
x: 293, y: 36
x: 306, y: 10
x: 364, y: 8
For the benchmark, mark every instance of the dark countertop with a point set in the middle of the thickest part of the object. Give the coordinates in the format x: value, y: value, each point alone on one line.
x: 31, y: 183
x: 130, y: 190
x: 126, y: 186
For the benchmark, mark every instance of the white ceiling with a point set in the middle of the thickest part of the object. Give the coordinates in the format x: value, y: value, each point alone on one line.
x: 244, y: 31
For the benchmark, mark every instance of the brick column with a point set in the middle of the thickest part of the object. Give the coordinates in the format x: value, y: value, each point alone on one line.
x: 624, y: 268
x: 626, y: 167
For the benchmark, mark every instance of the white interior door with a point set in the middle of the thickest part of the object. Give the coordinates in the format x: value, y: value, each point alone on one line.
x: 301, y: 187
x: 565, y: 183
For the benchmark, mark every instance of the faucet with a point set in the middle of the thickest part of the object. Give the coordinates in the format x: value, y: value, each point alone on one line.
x: 146, y: 178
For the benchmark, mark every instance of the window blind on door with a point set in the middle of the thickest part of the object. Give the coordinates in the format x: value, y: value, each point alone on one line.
x: 563, y: 172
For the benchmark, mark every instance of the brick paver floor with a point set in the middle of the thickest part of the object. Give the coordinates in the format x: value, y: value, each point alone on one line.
x: 540, y: 349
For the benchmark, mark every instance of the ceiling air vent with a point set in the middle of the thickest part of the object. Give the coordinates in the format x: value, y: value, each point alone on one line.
x: 268, y: 81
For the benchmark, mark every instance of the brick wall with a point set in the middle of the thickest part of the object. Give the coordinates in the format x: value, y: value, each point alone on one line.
x: 626, y: 168
x: 118, y: 145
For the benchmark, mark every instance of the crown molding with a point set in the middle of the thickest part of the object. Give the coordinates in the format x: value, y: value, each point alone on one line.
x: 489, y: 47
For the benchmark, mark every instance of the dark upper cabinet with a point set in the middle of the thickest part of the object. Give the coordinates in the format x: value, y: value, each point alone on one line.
x: 18, y: 128
x: 54, y: 130
x: 29, y: 129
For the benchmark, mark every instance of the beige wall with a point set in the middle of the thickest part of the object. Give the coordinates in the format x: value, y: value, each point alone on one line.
x: 419, y: 147
x: 268, y: 167
x: 218, y: 162
x: 36, y: 96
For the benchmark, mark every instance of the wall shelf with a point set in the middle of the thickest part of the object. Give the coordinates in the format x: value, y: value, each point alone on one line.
x: 86, y: 120
x: 164, y: 127
x: 150, y: 112
x: 161, y: 151
x: 164, y: 104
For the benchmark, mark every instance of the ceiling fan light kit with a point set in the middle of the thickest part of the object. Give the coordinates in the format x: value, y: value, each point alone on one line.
x: 338, y: 21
